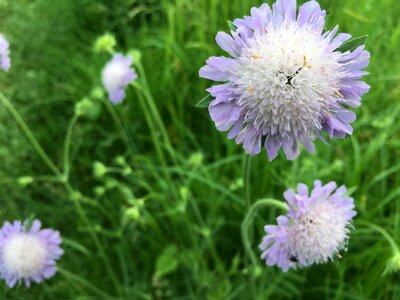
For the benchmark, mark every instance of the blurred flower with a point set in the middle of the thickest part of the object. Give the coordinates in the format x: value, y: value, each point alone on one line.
x: 5, y: 62
x: 117, y: 74
x: 105, y: 43
x: 313, y: 231
x: 28, y: 254
x: 286, y: 80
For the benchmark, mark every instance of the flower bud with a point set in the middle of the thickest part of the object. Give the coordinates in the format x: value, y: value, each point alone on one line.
x: 25, y: 180
x: 99, y: 170
x: 105, y: 43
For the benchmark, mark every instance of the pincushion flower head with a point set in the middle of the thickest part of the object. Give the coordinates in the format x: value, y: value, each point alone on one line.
x: 313, y: 231
x: 5, y: 61
x: 286, y: 80
x: 28, y: 254
x: 116, y: 75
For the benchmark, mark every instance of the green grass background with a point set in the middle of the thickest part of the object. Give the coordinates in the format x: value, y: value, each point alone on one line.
x: 171, y: 230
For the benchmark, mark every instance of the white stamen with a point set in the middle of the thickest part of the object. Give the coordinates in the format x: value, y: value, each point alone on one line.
x: 114, y: 75
x: 319, y: 235
x: 24, y: 255
x: 287, y: 79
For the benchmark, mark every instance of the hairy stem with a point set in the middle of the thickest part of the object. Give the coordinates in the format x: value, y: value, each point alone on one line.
x: 67, y: 146
x: 247, y: 180
x: 145, y: 90
x: 28, y: 133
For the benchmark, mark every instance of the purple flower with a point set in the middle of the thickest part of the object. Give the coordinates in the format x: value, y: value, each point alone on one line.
x: 286, y: 81
x: 28, y: 254
x: 117, y: 74
x: 313, y: 231
x: 5, y: 62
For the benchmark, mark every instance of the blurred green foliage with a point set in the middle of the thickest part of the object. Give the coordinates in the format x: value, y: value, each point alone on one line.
x: 171, y: 229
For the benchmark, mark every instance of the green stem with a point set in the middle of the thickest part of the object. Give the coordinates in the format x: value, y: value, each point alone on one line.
x: 384, y: 233
x: 67, y: 146
x: 248, y: 222
x: 78, y: 279
x: 145, y: 89
x: 153, y: 131
x: 118, y: 123
x: 7, y: 103
x: 247, y: 180
x: 76, y: 197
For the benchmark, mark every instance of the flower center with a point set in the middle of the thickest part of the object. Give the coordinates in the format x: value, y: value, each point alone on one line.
x: 24, y: 255
x: 287, y: 77
x: 115, y: 74
x: 318, y: 235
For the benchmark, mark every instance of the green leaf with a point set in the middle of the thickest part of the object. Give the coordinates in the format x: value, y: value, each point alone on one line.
x: 76, y: 246
x: 352, y: 44
x: 231, y: 26
x: 29, y: 221
x: 351, y: 190
x: 167, y: 262
x: 205, y: 102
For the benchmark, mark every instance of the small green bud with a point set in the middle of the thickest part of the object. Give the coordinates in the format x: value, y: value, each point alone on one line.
x: 184, y: 192
x: 99, y: 170
x: 140, y: 202
x: 97, y: 228
x: 206, y: 232
x: 196, y: 159
x: 132, y: 214
x: 99, y: 190
x: 237, y: 184
x: 110, y: 184
x: 87, y: 108
x: 76, y: 196
x: 393, y: 264
x: 136, y: 55
x: 97, y: 93
x: 120, y: 160
x: 257, y: 271
x: 127, y: 171
x: 25, y: 180
x: 105, y: 43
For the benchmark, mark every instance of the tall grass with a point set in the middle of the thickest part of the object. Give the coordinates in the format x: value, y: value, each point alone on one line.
x: 169, y: 224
